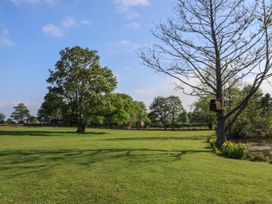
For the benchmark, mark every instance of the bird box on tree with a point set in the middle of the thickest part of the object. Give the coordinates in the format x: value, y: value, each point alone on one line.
x: 216, y: 105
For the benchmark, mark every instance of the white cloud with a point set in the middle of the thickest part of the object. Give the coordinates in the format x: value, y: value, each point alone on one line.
x: 131, y: 14
x: 129, y: 46
x: 53, y: 30
x: 131, y: 3
x: 128, y: 68
x: 6, y: 42
x: 68, y: 23
x: 5, y: 38
x: 85, y: 22
x: 20, y: 2
x: 134, y: 25
x: 127, y: 7
x: 72, y: 22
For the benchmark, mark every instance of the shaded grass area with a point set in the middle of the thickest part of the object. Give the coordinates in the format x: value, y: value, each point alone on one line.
x: 42, y: 133
x: 55, y: 165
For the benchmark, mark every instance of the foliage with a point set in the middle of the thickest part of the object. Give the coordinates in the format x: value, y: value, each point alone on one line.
x: 201, y: 111
x: 81, y: 82
x: 32, y: 120
x: 256, y: 120
x: 141, y: 112
x: 52, y: 108
x: 234, y: 150
x: 183, y: 117
x: 21, y: 113
x: 114, y: 109
x: 212, y: 141
x: 10, y: 121
x: 229, y: 149
x: 166, y: 111
x: 241, y: 128
x: 2, y: 118
x: 122, y: 110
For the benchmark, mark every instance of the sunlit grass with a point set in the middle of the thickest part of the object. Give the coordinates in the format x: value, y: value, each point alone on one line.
x: 56, y: 165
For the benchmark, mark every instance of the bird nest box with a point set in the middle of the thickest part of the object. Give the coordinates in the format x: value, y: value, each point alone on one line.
x: 216, y: 105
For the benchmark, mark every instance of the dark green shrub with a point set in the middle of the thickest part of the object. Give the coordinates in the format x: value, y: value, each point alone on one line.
x: 241, y: 129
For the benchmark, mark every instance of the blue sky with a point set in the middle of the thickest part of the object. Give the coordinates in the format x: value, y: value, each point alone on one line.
x: 32, y: 32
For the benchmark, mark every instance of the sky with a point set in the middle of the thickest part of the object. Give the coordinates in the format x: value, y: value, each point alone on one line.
x: 32, y: 32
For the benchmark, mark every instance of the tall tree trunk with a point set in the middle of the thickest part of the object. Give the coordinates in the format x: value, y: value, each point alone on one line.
x: 220, y: 130
x: 81, y: 128
x: 173, y: 122
x: 81, y: 125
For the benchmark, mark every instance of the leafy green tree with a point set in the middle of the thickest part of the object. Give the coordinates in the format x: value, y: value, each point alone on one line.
x: 2, y: 118
x: 166, y: 110
x: 159, y: 111
x: 21, y: 113
x: 201, y: 108
x: 175, y: 109
x: 201, y: 111
x: 183, y: 117
x: 266, y: 105
x: 32, y: 119
x: 190, y: 117
x: 52, y: 108
x: 10, y: 121
x: 122, y: 110
x: 256, y: 120
x: 80, y: 81
x: 140, y: 112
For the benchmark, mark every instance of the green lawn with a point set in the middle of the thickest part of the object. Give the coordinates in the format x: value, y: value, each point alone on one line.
x: 53, y: 165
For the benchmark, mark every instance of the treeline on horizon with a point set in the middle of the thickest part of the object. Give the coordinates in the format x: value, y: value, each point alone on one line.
x: 119, y: 110
x: 81, y: 93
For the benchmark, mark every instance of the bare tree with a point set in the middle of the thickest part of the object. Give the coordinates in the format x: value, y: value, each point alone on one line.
x: 210, y: 46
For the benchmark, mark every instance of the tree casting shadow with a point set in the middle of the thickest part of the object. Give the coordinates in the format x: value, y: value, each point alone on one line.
x: 42, y: 133
x: 26, y: 162
x: 155, y: 138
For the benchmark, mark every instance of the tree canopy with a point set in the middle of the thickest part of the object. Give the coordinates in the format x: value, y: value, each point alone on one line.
x: 166, y: 110
x: 51, y: 110
x: 2, y: 118
x: 201, y: 111
x: 21, y: 113
x: 122, y: 110
x: 80, y: 82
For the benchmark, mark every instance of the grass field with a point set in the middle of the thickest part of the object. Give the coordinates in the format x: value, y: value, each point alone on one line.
x: 54, y: 165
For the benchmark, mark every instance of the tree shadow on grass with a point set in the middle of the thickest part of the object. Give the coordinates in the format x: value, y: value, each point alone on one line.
x: 39, y: 161
x: 155, y: 138
x: 42, y: 133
